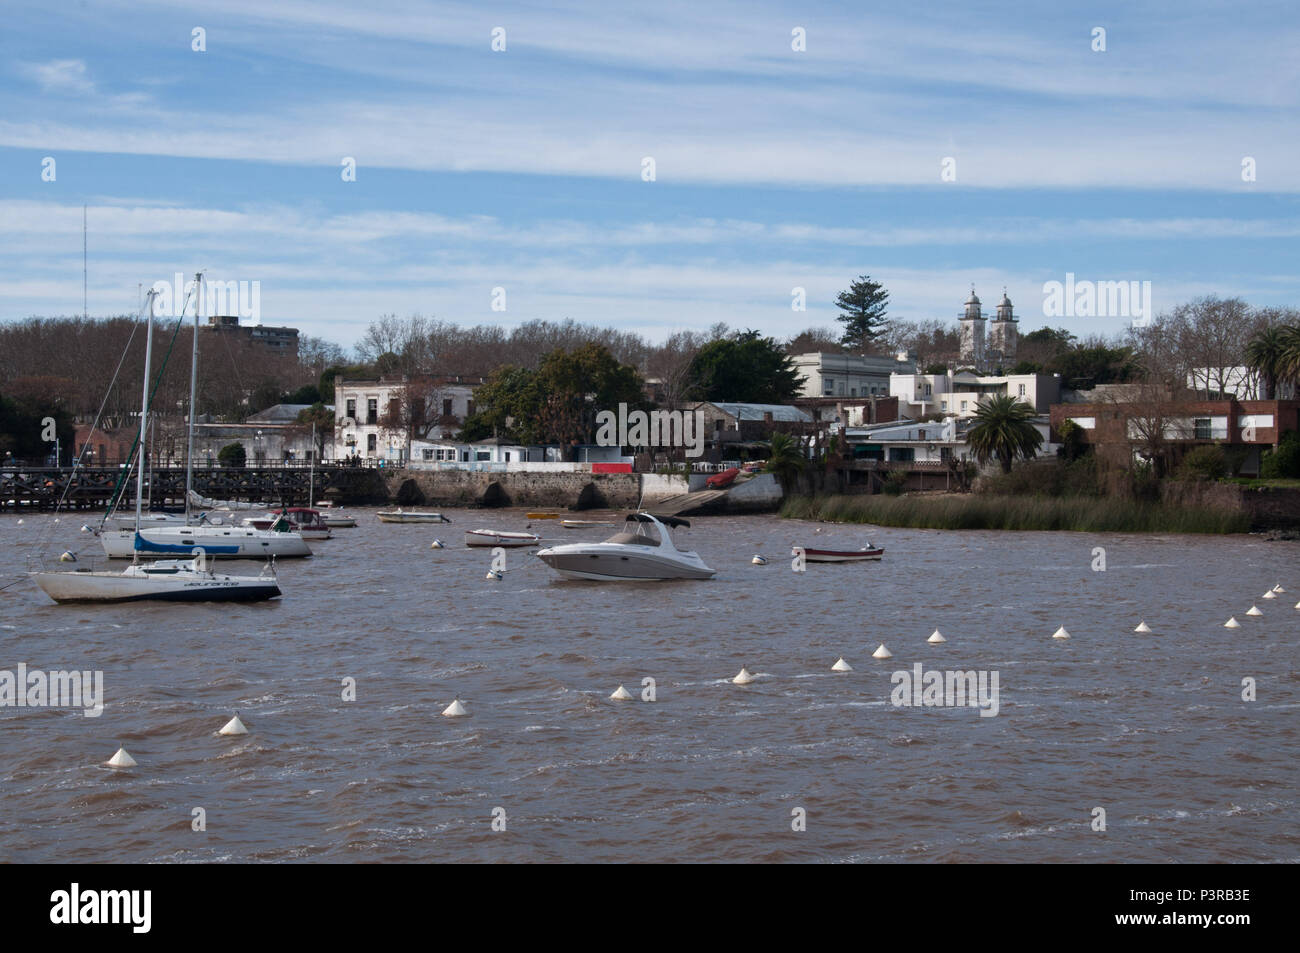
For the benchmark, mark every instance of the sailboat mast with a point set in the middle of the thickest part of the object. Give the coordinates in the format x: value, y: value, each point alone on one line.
x: 311, y: 484
x: 144, y: 413
x: 194, y: 385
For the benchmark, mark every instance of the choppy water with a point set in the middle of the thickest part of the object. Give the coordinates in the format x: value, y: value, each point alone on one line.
x: 1150, y: 727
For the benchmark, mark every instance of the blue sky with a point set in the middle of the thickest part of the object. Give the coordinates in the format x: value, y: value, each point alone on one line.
x: 522, y: 169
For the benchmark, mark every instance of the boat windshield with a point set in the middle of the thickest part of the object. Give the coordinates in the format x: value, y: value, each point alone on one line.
x: 636, y: 533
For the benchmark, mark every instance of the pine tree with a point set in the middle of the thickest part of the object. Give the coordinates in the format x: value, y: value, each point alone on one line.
x: 863, y: 306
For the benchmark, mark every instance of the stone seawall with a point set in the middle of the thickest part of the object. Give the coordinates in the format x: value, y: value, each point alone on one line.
x: 576, y: 491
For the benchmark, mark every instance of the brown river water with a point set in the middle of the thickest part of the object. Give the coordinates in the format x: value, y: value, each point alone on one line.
x: 1151, y: 728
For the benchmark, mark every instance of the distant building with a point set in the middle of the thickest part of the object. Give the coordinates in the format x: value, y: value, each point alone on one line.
x: 362, y: 408
x: 999, y: 348
x: 277, y: 340
x: 1116, y: 429
x: 959, y: 394
x: 828, y: 374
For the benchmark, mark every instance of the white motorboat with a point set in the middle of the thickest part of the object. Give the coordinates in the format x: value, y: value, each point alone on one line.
x: 493, y: 537
x: 643, y: 551
x: 402, y: 516
x: 164, y: 580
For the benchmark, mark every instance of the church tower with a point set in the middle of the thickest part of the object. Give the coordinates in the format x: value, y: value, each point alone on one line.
x: 1003, y: 335
x: 972, y: 333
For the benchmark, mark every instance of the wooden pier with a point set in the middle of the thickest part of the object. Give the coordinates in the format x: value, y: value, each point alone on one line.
x: 89, y: 488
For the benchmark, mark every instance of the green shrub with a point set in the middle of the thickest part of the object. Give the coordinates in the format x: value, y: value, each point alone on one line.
x: 1204, y: 463
x: 232, y: 455
x: 1284, y: 462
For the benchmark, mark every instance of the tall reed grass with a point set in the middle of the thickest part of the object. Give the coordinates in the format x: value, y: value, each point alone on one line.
x: 983, y: 511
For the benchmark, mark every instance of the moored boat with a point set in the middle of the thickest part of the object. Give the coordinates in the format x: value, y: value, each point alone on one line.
x: 642, y: 552
x: 302, y: 520
x: 838, y: 555
x: 494, y: 537
x: 164, y: 580
x: 409, y: 516
x: 584, y: 524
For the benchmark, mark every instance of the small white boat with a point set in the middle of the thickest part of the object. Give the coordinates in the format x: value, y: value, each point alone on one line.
x: 642, y: 552
x: 163, y: 580
x: 584, y: 524
x: 403, y: 516
x: 493, y: 537
x: 236, y: 542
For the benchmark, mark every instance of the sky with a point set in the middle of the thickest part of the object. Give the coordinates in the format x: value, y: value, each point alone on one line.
x: 932, y: 146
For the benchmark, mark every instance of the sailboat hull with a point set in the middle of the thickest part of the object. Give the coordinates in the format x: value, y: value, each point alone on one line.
x: 234, y: 542
x: 65, y: 587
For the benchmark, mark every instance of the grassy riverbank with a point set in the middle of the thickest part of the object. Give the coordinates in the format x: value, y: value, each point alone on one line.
x: 981, y: 511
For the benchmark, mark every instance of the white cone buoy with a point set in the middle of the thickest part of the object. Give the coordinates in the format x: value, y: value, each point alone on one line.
x: 20, y: 522
x: 1269, y: 595
x: 233, y: 727
x: 841, y: 666
x: 437, y: 544
x: 493, y: 574
x: 758, y: 560
x: 85, y: 528
x: 1253, y: 610
x: 1142, y: 627
x: 1061, y: 633
x: 1232, y: 623
x: 1278, y: 588
x: 1297, y: 605
x: 882, y: 652
x: 121, y: 759
x: 621, y: 695
x: 743, y: 677
x: 67, y: 557
x: 935, y: 638
x: 455, y: 709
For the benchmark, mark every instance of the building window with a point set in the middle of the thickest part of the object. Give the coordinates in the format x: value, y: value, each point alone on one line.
x: 963, y: 405
x: 902, y: 454
x: 1022, y: 390
x: 929, y: 389
x: 372, y: 410
x: 352, y: 407
x: 828, y: 387
x: 427, y: 454
x: 446, y: 406
x: 469, y: 407
x: 1201, y: 429
x: 372, y: 443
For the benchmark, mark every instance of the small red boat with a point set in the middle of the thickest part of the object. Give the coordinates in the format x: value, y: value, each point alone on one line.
x: 724, y: 479
x: 839, y: 555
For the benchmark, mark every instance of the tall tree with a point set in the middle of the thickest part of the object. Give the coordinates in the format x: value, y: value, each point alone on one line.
x: 745, y: 367
x: 864, y: 306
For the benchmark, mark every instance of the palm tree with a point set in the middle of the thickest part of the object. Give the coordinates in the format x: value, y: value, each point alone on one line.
x: 1003, y: 429
x: 1289, y: 363
x: 784, y: 459
x: 1266, y: 353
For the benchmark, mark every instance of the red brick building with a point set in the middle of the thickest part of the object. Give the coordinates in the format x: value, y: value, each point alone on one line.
x: 1118, y: 429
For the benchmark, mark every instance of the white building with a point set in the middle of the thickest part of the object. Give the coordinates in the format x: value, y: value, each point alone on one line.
x: 959, y: 394
x: 999, y: 347
x: 502, y: 455
x: 848, y: 375
x: 925, y: 441
x: 362, y: 408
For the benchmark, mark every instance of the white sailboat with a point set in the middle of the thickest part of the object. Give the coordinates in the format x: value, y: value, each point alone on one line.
x: 214, y: 539
x: 167, y: 580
